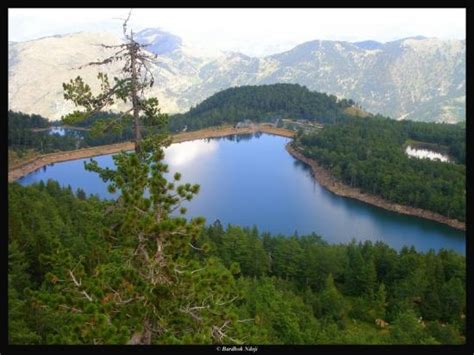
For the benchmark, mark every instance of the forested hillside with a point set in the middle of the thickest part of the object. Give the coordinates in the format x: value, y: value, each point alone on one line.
x: 368, y: 153
x: 73, y: 280
x: 22, y: 136
x: 262, y: 103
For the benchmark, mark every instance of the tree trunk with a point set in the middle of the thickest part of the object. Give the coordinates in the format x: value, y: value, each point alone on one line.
x: 135, y: 101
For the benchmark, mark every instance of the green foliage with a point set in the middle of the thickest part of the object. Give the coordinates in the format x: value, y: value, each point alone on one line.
x: 130, y: 279
x: 406, y: 329
x: 101, y: 128
x: 22, y: 137
x: 146, y: 110
x: 129, y: 88
x: 368, y: 153
x: 87, y: 271
x: 280, y: 316
x: 332, y: 302
x: 262, y: 103
x: 380, y: 302
x: 452, y: 299
x: 362, y: 274
x: 211, y: 284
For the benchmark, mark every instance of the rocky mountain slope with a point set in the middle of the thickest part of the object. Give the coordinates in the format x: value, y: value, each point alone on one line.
x: 415, y: 78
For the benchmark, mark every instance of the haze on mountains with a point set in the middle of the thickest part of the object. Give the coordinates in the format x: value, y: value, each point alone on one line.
x: 415, y: 78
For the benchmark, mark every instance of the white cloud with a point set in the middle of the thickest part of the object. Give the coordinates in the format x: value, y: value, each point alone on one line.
x: 251, y: 31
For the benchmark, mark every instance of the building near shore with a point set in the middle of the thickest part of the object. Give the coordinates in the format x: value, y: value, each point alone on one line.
x: 244, y: 124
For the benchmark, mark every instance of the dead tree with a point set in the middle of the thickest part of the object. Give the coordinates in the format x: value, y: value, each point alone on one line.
x: 137, y: 76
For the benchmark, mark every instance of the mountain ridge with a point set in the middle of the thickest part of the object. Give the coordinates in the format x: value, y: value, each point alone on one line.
x: 411, y: 78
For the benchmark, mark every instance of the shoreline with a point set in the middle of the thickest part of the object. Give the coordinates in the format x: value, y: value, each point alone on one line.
x: 65, y: 127
x: 19, y: 170
x: 320, y: 174
x: 325, y: 179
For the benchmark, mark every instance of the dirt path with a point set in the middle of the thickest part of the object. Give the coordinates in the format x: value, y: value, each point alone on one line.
x: 19, y: 170
x: 327, y: 181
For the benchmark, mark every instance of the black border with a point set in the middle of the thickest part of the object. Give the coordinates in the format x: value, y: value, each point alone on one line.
x: 467, y: 348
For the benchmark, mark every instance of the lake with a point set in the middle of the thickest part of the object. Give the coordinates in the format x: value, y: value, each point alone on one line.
x: 426, y: 154
x: 252, y: 180
x: 62, y: 131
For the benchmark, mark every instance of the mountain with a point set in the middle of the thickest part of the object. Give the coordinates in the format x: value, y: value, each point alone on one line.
x: 414, y: 78
x: 368, y: 44
x: 158, y: 41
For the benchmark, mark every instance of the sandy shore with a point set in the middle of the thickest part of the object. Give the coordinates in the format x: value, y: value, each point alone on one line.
x: 19, y: 170
x: 327, y: 181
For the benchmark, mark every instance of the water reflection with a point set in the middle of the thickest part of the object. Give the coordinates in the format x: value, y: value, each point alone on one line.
x: 239, y: 137
x: 61, y: 131
x: 57, y: 130
x: 256, y: 182
x: 186, y: 152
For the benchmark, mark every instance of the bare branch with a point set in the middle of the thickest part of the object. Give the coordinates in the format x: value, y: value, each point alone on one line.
x: 191, y: 313
x: 140, y: 210
x: 108, y: 60
x: 196, y: 248
x: 125, y: 23
x: 109, y: 45
x: 87, y: 296
x: 105, y: 61
x: 78, y: 284
x: 223, y: 303
x: 194, y: 271
x: 103, y: 99
x: 73, y: 309
x: 127, y: 301
x: 111, y: 123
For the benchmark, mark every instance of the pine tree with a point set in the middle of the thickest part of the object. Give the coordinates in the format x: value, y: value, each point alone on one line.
x: 361, y: 273
x: 380, y: 302
x: 136, y: 77
x: 331, y: 300
x: 151, y: 289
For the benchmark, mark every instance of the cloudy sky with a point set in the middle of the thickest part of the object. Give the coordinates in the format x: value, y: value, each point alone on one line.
x: 251, y: 31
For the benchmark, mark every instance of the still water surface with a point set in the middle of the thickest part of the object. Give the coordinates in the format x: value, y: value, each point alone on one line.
x: 252, y: 180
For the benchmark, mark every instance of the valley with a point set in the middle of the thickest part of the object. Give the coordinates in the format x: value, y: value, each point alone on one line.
x: 374, y: 140
x: 223, y: 181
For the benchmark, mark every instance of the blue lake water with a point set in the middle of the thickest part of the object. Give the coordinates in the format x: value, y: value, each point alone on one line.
x: 252, y: 180
x: 62, y: 131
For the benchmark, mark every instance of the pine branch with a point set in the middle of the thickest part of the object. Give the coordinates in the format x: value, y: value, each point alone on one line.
x: 112, y: 122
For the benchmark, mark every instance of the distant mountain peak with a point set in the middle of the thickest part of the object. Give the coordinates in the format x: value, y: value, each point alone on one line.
x: 416, y: 37
x: 417, y: 78
x: 411, y: 38
x: 158, y: 41
x: 368, y: 44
